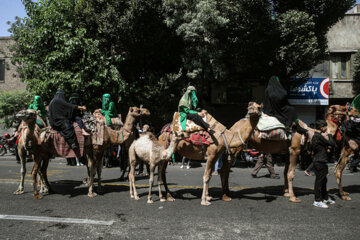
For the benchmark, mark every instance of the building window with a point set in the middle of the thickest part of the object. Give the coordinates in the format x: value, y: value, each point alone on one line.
x: 340, y: 66
x: 2, y: 70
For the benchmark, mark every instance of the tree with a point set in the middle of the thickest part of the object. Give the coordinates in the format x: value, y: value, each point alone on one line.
x: 146, y: 52
x: 10, y: 103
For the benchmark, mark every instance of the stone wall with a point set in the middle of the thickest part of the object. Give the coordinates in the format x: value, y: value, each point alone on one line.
x: 12, y: 79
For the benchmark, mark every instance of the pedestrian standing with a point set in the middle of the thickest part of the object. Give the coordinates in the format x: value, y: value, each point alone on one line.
x: 267, y: 160
x: 320, y: 146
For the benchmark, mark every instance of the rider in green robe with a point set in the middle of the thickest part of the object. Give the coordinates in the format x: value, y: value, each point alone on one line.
x: 38, y: 105
x: 187, y: 104
x: 108, y: 109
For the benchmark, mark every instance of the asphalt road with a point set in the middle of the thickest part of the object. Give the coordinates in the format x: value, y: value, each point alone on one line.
x: 258, y: 209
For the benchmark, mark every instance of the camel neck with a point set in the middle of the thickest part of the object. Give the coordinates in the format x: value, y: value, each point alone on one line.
x: 129, y: 122
x: 241, y: 133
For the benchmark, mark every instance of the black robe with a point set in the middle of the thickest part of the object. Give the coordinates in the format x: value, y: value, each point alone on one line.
x: 276, y: 103
x: 61, y: 114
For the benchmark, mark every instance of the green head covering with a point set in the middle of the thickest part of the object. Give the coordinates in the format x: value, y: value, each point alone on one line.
x: 38, y: 105
x: 356, y: 103
x: 106, y: 101
x: 191, y: 95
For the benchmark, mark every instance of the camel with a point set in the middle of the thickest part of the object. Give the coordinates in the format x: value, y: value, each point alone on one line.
x: 113, y: 137
x: 94, y: 153
x: 224, y: 139
x: 347, y: 151
x: 29, y: 141
x: 147, y: 148
x: 293, y: 147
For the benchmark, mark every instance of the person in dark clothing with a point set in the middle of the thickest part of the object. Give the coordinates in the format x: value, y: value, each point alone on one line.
x: 75, y: 99
x: 320, y: 147
x: 61, y: 114
x: 276, y: 104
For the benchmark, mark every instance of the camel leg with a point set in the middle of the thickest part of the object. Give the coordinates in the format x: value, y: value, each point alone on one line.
x: 291, y: 174
x: 43, y: 169
x: 224, y: 175
x: 22, y: 155
x: 34, y: 178
x: 205, y: 199
x: 92, y: 165
x: 151, y: 182
x: 344, y: 159
x: 169, y: 196
x: 286, y: 182
x: 160, y: 180
x: 99, y: 170
x: 132, y: 162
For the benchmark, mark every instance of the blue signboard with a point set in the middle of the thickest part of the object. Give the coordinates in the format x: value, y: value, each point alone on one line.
x: 315, y: 91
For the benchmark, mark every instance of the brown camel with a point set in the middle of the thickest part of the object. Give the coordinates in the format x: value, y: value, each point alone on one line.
x: 29, y: 141
x: 148, y: 149
x: 293, y: 146
x: 346, y: 152
x: 234, y: 138
x: 94, y: 153
x: 113, y: 137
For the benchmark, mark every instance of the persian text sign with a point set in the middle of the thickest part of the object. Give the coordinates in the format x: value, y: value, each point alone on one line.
x: 315, y: 91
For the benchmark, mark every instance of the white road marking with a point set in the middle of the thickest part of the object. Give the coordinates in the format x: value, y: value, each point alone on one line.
x: 55, y: 219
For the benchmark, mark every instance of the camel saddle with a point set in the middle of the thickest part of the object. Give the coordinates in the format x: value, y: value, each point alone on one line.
x: 116, y: 123
x: 199, y: 138
x: 190, y: 125
x: 270, y: 128
x: 60, y: 148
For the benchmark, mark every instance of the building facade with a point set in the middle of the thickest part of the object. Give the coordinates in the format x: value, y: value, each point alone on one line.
x: 9, y: 77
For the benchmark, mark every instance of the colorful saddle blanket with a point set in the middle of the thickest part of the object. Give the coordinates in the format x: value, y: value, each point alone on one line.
x: 277, y: 134
x: 61, y: 148
x: 116, y: 123
x: 199, y: 138
x: 190, y: 125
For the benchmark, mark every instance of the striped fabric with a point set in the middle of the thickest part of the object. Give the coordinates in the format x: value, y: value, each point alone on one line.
x: 61, y: 148
x: 277, y: 134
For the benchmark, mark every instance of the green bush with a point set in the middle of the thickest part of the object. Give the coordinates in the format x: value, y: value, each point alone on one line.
x: 10, y: 103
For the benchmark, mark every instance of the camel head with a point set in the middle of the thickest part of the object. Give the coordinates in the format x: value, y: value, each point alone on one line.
x: 254, y: 110
x: 27, y: 116
x: 138, y: 111
x: 175, y: 139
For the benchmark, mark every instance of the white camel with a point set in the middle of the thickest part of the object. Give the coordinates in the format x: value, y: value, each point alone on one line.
x: 148, y: 149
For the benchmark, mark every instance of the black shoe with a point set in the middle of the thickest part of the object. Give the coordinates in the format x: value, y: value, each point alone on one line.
x: 211, y: 132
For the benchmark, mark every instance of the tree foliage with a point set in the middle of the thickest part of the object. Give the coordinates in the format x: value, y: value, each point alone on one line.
x: 146, y: 52
x: 10, y: 103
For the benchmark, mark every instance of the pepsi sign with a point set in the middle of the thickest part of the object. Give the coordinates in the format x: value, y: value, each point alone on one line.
x: 315, y: 91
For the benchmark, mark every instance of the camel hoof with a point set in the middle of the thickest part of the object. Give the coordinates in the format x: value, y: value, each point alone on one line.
x: 132, y: 196
x: 205, y: 203
x: 92, y: 195
x: 294, y: 200
x: 162, y: 200
x: 209, y: 198
x: 136, y: 198
x: 286, y: 194
x: 346, y: 198
x: 38, y: 196
x: 150, y: 201
x: 226, y: 198
x: 345, y: 194
x: 170, y: 199
x: 18, y: 192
